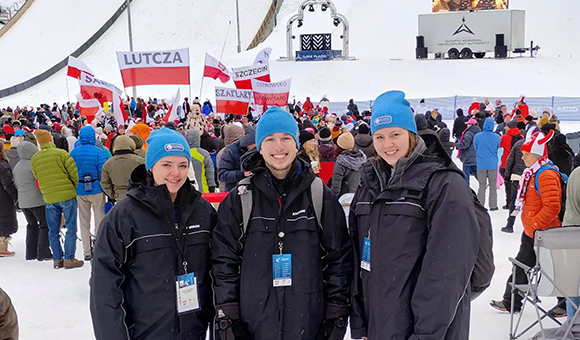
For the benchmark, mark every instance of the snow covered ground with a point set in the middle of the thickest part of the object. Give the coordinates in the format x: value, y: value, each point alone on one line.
x: 54, y: 304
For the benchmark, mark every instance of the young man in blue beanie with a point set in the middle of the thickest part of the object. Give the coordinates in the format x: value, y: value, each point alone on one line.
x: 282, y: 264
x: 151, y: 266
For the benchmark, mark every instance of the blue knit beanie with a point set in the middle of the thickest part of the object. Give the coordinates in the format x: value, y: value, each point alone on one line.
x: 276, y: 120
x: 392, y: 109
x: 165, y: 142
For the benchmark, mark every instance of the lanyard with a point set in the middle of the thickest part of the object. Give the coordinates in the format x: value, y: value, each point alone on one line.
x: 181, y: 248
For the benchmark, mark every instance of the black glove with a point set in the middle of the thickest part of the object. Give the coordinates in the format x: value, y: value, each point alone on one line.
x: 332, y: 329
x: 211, y: 189
x: 232, y: 330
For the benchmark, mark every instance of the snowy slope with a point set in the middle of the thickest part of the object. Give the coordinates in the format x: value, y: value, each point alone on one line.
x: 54, y: 304
x: 382, y: 38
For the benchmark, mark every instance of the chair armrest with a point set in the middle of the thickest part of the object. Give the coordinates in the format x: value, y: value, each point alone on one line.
x: 519, y: 264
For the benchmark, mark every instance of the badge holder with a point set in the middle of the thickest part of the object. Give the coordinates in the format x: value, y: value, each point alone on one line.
x: 282, y: 267
x: 365, y: 262
x: 187, y: 293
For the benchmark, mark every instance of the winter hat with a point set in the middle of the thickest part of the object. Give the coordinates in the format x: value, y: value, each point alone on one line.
x: 42, y: 137
x: 14, y: 141
x: 472, y: 121
x: 346, y: 141
x: 512, y: 124
x: 497, y: 102
x: 325, y: 135
x: 338, y: 122
x: 276, y: 120
x: 19, y: 133
x: 123, y: 142
x: 392, y: 109
x: 171, y: 125
x: 363, y: 129
x: 165, y: 142
x: 305, y: 136
x: 533, y: 114
x: 537, y: 143
x: 460, y: 112
x: 249, y: 137
x: 521, y: 125
x: 543, y: 121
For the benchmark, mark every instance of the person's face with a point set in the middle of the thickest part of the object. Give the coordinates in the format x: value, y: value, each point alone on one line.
x: 21, y: 138
x: 504, y: 110
x: 311, y: 145
x: 121, y: 130
x: 529, y: 158
x: 391, y: 144
x: 434, y: 114
x: 322, y: 123
x: 507, y: 118
x: 279, y: 151
x: 545, y: 114
x: 171, y: 171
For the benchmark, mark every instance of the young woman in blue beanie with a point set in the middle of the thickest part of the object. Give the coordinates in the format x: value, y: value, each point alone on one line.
x: 151, y: 265
x: 415, y: 235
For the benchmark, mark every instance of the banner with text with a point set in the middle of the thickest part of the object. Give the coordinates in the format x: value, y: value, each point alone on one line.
x: 232, y: 101
x: 271, y: 94
x: 243, y: 75
x: 92, y: 87
x: 169, y: 67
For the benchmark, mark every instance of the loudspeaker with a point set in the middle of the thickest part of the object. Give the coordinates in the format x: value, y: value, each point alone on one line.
x: 420, y: 41
x: 421, y: 53
x: 501, y: 51
x: 499, y: 40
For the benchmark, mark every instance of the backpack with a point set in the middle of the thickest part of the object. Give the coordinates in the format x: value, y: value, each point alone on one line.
x: 563, y: 183
x: 484, y: 267
x: 316, y: 195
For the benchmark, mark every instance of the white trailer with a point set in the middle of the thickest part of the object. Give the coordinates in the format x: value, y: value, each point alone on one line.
x: 464, y: 34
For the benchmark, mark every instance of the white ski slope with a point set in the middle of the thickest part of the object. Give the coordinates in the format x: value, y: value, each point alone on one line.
x: 382, y: 38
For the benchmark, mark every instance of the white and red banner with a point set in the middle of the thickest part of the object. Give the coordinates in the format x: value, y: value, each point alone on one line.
x: 243, y: 75
x: 76, y: 66
x: 232, y: 101
x: 89, y: 108
x: 119, y: 111
x: 170, y: 67
x: 103, y: 91
x: 271, y: 94
x: 172, y: 114
x: 214, y: 69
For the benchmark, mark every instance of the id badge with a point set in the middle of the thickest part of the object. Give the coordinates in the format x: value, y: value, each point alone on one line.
x: 187, y: 297
x: 282, y: 270
x: 365, y: 262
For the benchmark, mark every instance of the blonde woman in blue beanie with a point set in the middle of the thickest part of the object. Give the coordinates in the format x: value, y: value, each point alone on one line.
x: 415, y: 235
x: 285, y: 271
x: 151, y: 266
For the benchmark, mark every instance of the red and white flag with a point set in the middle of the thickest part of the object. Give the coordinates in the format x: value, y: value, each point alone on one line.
x: 119, y: 111
x: 76, y: 66
x: 243, y: 75
x: 271, y: 94
x: 103, y: 91
x: 170, y: 67
x: 232, y: 101
x: 214, y: 69
x: 172, y: 114
x: 89, y: 108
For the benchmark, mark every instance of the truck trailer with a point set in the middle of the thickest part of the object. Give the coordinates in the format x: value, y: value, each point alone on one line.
x: 467, y: 34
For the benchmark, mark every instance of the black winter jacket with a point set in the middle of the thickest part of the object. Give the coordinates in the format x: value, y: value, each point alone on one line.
x: 561, y: 154
x: 424, y: 242
x: 326, y: 151
x: 8, y: 198
x: 364, y: 143
x: 136, y: 262
x: 458, y: 127
x: 321, y: 258
x: 515, y: 164
x: 229, y: 169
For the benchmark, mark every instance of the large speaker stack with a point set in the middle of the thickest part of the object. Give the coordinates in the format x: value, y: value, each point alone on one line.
x: 500, y: 47
x: 421, y: 50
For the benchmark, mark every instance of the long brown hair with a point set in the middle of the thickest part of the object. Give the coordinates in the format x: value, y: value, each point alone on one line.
x: 412, y: 143
x: 3, y: 156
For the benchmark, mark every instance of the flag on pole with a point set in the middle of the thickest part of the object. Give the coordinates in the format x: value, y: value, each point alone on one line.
x: 271, y: 94
x: 243, y: 75
x: 263, y: 56
x: 169, y: 67
x: 214, y: 69
x: 89, y: 108
x: 76, y: 66
x: 119, y: 110
x: 172, y: 114
x: 92, y: 87
x: 232, y: 101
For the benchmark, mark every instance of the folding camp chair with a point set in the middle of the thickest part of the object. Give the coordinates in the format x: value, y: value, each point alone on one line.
x: 556, y: 273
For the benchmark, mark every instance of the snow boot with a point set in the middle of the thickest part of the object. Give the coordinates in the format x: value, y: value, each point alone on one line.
x: 44, y: 253
x: 31, y: 242
x: 74, y: 263
x: 57, y: 264
x: 4, y: 252
x: 508, y: 229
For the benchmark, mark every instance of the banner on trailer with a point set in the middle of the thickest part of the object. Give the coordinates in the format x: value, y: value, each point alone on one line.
x: 271, y: 94
x: 468, y: 5
x: 232, y: 101
x: 169, y: 67
x: 92, y: 87
x: 243, y: 75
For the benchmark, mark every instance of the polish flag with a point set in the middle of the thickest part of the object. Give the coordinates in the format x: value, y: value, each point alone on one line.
x: 215, y: 69
x: 76, y: 66
x: 232, y: 101
x: 271, y: 94
x: 89, y: 108
x: 92, y: 87
x: 243, y: 75
x: 172, y: 114
x: 168, y: 67
x: 119, y: 111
